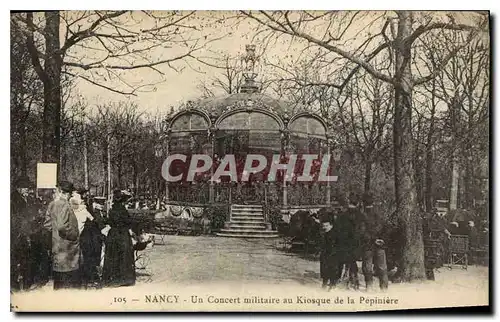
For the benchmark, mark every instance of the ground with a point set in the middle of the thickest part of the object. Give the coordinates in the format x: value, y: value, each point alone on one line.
x: 230, y: 268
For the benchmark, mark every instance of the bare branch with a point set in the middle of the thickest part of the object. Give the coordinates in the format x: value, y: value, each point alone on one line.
x: 80, y: 35
x: 102, y: 85
x: 293, y: 32
x: 441, y: 25
x: 30, y: 44
x: 443, y: 63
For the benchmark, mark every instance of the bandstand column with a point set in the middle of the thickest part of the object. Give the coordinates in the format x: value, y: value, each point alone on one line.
x: 328, y: 186
x: 285, y: 192
x: 211, y: 187
x: 285, y: 148
x: 329, y: 140
x: 167, y: 148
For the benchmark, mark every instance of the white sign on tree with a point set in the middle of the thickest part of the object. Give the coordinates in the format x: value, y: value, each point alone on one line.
x: 46, y: 175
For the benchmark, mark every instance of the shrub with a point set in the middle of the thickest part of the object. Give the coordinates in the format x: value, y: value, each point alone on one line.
x: 273, y: 214
x: 217, y: 215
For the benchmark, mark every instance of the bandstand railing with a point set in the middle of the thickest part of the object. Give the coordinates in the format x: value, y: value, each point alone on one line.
x: 193, y: 193
x: 306, y: 194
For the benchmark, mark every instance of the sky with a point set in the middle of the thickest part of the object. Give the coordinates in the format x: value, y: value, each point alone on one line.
x: 178, y: 87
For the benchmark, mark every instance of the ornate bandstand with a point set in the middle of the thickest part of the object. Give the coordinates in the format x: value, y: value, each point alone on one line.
x: 248, y: 122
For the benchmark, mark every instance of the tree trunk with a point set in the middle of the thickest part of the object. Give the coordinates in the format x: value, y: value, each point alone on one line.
x: 23, y: 155
x: 419, y: 180
x: 105, y: 169
x: 136, y: 180
x: 108, y: 168
x: 469, y: 186
x: 455, y: 167
x: 412, y: 262
x: 455, y: 174
x: 428, y: 178
x: 62, y: 159
x: 119, y: 172
x: 85, y: 159
x: 368, y: 175
x: 428, y: 152
x: 418, y: 164
x: 468, y: 201
x: 52, y: 90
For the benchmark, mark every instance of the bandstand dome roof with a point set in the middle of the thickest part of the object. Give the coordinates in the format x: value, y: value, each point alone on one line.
x: 221, y: 104
x: 249, y: 109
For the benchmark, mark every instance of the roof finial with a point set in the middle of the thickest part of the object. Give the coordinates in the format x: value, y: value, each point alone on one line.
x: 249, y: 74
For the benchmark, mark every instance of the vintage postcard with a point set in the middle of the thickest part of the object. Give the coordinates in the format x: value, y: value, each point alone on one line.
x: 249, y: 161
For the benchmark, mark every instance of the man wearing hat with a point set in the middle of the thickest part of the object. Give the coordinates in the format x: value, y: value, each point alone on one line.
x: 347, y: 234
x: 62, y: 221
x: 22, y: 216
x: 328, y: 258
x: 84, y: 195
x: 91, y: 208
x: 373, y: 237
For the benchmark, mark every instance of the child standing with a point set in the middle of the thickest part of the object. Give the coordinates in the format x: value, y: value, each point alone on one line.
x: 328, y: 258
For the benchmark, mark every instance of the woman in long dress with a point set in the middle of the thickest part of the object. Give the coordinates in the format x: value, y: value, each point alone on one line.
x: 91, y: 241
x: 119, y: 263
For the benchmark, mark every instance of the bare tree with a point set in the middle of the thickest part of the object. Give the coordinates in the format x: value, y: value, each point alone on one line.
x: 25, y: 101
x: 464, y: 87
x: 300, y: 83
x: 365, y: 118
x: 228, y: 80
x: 99, y: 47
x: 426, y: 136
x: 398, y: 33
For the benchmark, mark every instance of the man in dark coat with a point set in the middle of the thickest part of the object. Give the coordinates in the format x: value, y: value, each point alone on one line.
x: 346, y: 231
x: 473, y: 235
x: 40, y: 244
x: 328, y: 259
x: 436, y: 237
x: 63, y: 224
x: 373, y: 235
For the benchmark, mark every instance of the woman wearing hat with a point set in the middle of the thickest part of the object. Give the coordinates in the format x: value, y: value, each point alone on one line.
x: 119, y: 264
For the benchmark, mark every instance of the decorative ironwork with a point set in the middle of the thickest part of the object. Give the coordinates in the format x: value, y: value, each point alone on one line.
x: 249, y: 73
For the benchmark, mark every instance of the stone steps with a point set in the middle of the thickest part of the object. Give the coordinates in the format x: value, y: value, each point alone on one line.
x: 239, y: 226
x: 252, y: 235
x: 248, y: 231
x: 236, y: 206
x: 247, y: 218
x: 249, y: 213
x: 247, y: 221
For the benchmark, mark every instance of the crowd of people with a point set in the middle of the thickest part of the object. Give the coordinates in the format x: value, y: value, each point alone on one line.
x: 350, y: 232
x: 357, y: 230
x: 65, y: 237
